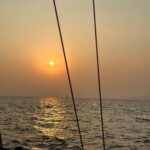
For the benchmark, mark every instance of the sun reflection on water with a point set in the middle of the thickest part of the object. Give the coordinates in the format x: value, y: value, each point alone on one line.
x: 50, y: 117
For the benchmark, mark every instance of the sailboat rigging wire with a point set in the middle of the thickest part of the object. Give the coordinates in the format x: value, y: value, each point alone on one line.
x: 98, y: 74
x: 68, y: 74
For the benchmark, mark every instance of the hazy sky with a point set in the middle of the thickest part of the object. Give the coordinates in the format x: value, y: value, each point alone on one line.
x: 29, y: 39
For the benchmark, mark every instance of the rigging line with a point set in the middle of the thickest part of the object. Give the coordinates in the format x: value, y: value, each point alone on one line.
x: 68, y: 74
x: 98, y: 73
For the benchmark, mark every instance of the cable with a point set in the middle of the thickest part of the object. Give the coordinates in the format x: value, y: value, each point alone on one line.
x: 98, y: 74
x: 68, y: 74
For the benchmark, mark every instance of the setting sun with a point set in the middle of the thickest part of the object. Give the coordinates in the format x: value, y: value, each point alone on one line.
x: 51, y: 63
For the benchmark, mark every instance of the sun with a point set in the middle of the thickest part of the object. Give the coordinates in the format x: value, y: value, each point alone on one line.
x: 51, y: 63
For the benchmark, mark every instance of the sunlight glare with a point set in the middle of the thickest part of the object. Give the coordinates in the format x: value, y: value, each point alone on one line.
x: 51, y: 63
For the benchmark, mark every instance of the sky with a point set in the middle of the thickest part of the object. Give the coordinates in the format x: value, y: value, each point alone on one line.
x: 29, y: 39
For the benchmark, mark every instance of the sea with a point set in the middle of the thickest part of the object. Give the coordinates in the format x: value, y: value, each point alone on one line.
x: 49, y: 123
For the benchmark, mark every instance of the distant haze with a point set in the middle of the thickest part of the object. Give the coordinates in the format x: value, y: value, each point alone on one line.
x: 29, y: 39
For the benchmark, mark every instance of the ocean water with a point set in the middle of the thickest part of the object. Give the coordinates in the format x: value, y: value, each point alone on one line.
x: 49, y: 123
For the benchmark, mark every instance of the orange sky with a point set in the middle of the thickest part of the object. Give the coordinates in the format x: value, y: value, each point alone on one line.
x: 29, y: 39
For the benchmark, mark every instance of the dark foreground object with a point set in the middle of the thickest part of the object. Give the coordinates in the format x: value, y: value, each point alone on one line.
x: 1, y: 144
x: 51, y: 148
x: 54, y: 144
